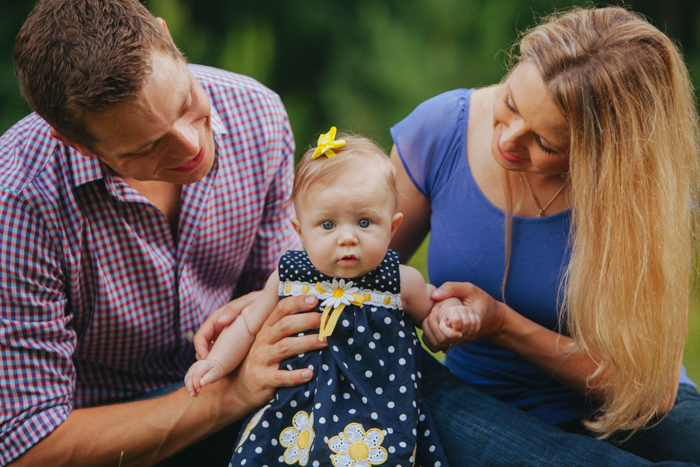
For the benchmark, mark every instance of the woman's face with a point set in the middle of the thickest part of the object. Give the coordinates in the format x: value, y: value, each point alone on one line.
x: 530, y: 133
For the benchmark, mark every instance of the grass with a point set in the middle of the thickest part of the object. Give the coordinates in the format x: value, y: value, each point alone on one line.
x: 691, y: 358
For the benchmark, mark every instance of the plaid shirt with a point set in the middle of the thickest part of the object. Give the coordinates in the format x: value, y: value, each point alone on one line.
x: 97, y: 302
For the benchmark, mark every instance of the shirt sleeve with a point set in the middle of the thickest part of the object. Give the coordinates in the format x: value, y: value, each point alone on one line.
x: 36, y: 340
x: 428, y: 135
x: 275, y: 234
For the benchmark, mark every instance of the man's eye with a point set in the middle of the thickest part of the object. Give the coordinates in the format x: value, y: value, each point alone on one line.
x: 327, y: 225
x: 364, y: 223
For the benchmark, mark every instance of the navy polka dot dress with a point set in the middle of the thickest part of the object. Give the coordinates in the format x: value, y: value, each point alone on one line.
x: 363, y: 407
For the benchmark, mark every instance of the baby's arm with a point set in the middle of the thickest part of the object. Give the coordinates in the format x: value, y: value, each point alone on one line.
x: 233, y: 343
x: 415, y: 294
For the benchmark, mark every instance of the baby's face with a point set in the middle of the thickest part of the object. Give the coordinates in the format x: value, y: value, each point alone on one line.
x: 346, y: 228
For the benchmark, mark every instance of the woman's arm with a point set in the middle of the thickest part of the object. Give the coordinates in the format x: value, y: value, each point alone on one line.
x: 151, y: 430
x: 416, y: 213
x: 553, y: 353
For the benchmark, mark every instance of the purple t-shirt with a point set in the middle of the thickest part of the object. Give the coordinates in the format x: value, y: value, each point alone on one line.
x: 467, y: 244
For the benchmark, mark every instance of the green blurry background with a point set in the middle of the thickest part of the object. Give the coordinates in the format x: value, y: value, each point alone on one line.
x: 361, y: 65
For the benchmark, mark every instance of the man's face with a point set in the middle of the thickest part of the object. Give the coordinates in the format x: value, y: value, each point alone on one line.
x: 164, y: 134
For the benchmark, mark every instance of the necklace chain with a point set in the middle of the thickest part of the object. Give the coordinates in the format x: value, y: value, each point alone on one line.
x: 541, y: 210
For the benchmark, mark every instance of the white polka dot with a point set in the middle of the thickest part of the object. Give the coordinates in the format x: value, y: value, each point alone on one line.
x: 368, y: 374
x: 325, y: 367
x: 243, y: 461
x: 374, y: 416
x: 391, y: 349
x: 422, y: 417
x: 391, y: 449
x: 360, y: 329
x: 289, y: 367
x: 402, y: 334
x: 402, y: 361
x: 279, y: 415
x: 322, y: 420
x: 427, y: 433
x: 402, y: 444
x: 265, y: 424
x: 258, y: 450
x: 316, y: 464
x: 381, y: 362
x: 346, y: 323
x: 252, y: 437
x: 293, y: 403
x: 306, y: 393
x: 402, y: 389
x: 379, y: 391
x: 391, y: 404
x: 377, y: 336
x: 346, y: 396
x: 335, y: 348
x: 403, y: 417
x: 333, y: 397
x: 330, y: 381
x: 410, y: 351
x: 432, y: 448
x: 364, y: 400
x: 352, y: 411
x: 335, y: 418
x: 387, y: 320
x: 273, y: 442
x: 358, y: 357
x: 392, y: 377
x: 372, y: 345
x: 317, y: 406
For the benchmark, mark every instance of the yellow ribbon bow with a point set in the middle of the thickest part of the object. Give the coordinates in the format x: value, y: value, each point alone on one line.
x: 326, y: 144
x: 336, y: 295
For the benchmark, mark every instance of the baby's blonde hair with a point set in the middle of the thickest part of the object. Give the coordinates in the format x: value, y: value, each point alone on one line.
x: 353, y: 162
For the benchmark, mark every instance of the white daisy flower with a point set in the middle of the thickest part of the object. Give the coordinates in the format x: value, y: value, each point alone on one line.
x: 337, y: 293
x: 298, y: 438
x: 251, y: 424
x: 357, y: 448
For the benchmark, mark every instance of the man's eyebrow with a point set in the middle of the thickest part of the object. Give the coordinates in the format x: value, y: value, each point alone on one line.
x: 154, y: 141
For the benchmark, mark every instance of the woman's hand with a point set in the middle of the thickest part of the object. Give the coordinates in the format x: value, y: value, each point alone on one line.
x: 259, y: 375
x: 218, y: 320
x: 490, y: 312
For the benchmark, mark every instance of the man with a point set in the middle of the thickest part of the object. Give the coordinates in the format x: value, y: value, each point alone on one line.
x: 143, y: 194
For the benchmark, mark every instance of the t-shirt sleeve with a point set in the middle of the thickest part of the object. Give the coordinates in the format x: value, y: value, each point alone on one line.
x: 428, y: 135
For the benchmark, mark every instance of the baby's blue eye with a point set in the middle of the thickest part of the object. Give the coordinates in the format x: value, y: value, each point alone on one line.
x: 364, y: 223
x: 327, y: 225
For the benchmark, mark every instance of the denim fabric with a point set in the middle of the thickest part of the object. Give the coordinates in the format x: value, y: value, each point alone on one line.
x: 676, y: 437
x: 478, y: 430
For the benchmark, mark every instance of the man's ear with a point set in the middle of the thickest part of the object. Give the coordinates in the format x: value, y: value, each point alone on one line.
x: 73, y: 144
x: 398, y: 217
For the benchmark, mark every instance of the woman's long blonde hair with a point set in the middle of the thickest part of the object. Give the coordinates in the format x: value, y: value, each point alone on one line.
x: 625, y: 91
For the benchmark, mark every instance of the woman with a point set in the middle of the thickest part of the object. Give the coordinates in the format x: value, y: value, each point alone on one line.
x: 562, y: 200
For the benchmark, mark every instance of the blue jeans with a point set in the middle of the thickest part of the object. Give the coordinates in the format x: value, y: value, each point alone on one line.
x: 479, y: 430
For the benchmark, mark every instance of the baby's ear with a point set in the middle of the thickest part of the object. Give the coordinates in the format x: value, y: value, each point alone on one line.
x: 398, y: 217
x: 297, y: 227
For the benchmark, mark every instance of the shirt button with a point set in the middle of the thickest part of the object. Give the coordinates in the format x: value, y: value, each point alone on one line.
x: 189, y: 336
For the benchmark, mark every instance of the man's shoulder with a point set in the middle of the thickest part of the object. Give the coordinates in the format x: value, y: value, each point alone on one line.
x: 25, y: 150
x: 227, y: 84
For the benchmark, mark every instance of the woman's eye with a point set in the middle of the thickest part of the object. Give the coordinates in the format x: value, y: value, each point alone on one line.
x: 327, y: 225
x: 364, y: 223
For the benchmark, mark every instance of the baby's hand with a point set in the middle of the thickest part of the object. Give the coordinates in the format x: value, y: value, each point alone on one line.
x: 458, y: 320
x: 202, y: 373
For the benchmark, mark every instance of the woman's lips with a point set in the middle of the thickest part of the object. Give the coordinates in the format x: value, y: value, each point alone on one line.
x: 193, y: 163
x: 506, y: 155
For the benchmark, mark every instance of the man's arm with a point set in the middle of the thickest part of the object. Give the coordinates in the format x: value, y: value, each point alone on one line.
x: 151, y: 430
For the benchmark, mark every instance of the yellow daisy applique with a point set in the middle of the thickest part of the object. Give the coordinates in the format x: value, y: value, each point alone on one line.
x: 298, y: 438
x: 251, y: 424
x: 357, y: 448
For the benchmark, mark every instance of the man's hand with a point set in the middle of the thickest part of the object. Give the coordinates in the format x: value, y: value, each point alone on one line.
x: 260, y: 374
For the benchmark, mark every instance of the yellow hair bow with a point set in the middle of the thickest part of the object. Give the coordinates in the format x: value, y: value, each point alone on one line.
x: 326, y: 144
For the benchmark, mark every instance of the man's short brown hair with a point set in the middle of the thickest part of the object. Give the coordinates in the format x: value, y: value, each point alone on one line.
x: 76, y: 57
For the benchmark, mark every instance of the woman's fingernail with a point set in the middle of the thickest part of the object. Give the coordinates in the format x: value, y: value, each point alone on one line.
x: 223, y: 317
x: 307, y: 374
x: 309, y: 300
x: 437, y: 292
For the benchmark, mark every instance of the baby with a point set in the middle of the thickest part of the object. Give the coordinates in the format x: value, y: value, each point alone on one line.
x: 365, y: 400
